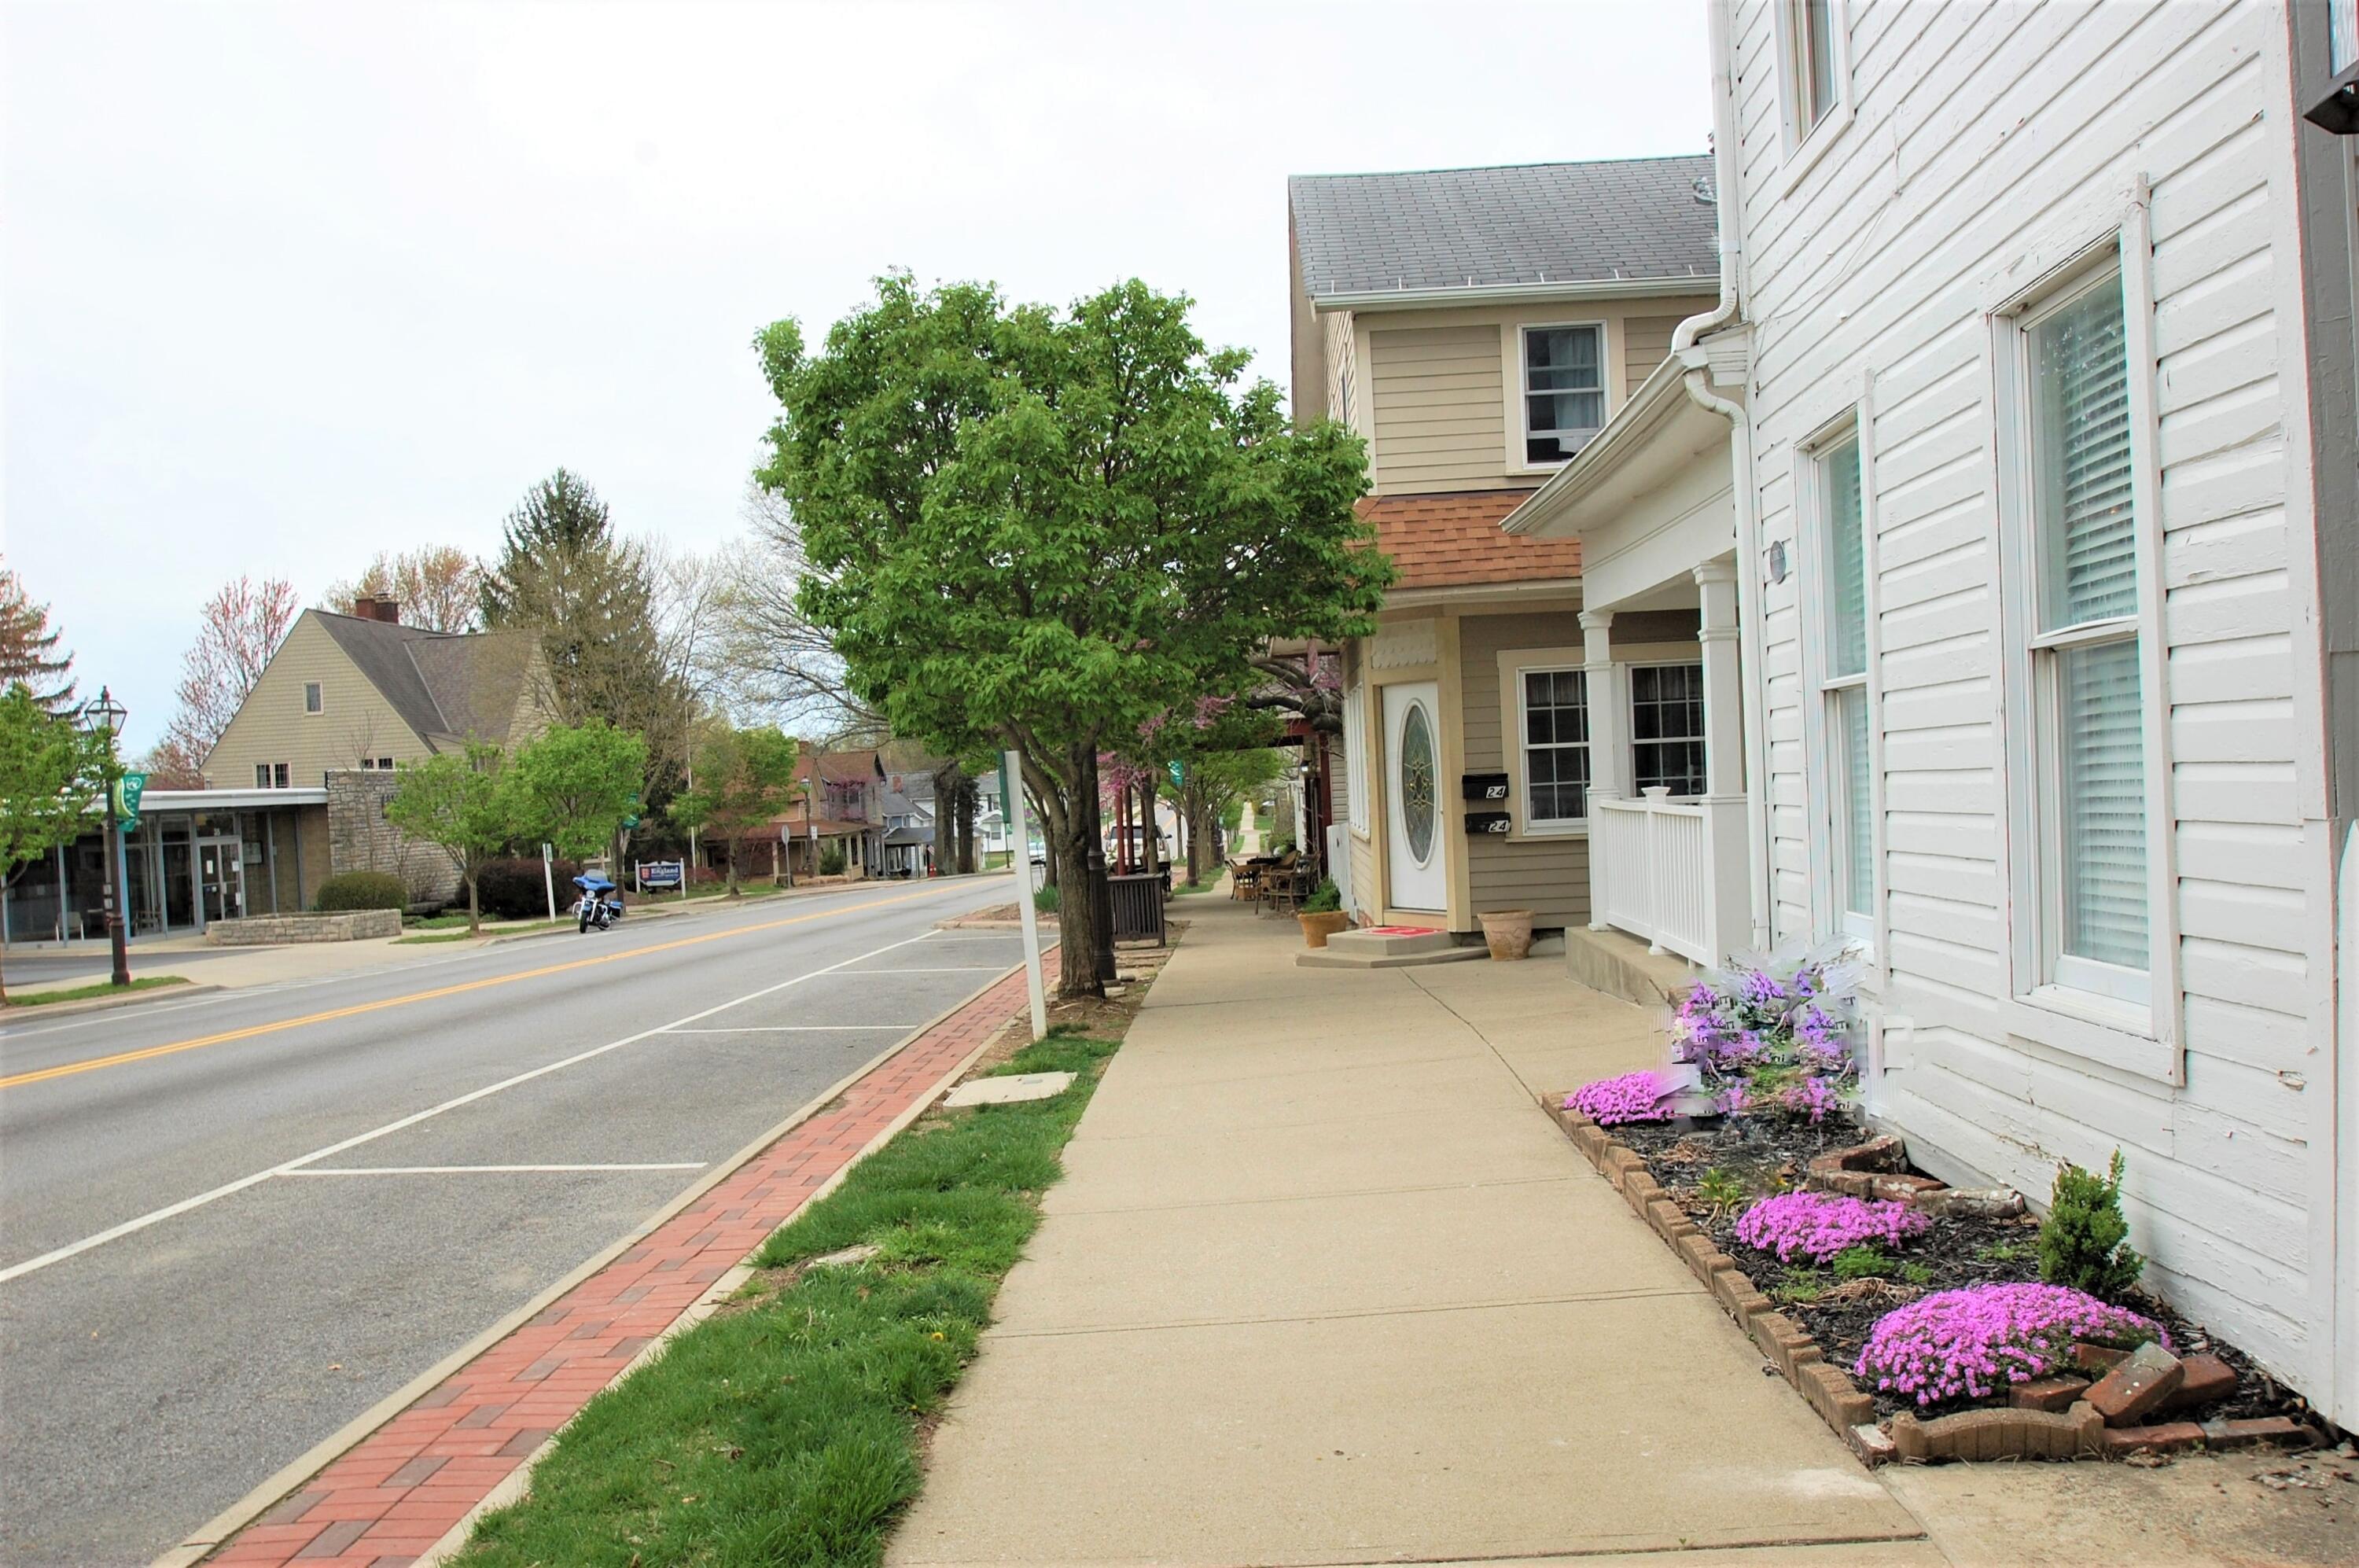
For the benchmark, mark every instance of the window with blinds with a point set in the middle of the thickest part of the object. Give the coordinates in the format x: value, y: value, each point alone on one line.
x: 2085, y: 643
x: 1843, y: 686
x: 1556, y: 745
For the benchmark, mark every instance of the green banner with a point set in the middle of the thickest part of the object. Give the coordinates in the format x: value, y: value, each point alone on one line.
x: 1179, y: 774
x: 127, y: 790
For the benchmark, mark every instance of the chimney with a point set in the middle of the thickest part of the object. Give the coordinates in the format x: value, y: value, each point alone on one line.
x: 368, y: 607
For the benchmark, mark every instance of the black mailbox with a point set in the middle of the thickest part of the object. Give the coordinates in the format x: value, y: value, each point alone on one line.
x: 1479, y: 823
x: 1483, y: 787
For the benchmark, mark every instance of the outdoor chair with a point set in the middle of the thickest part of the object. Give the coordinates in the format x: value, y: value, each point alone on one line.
x: 1244, y: 880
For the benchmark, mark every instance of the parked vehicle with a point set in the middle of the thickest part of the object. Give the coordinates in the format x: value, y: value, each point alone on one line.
x: 601, y: 903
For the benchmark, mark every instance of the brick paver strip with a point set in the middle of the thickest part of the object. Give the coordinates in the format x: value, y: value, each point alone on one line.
x: 400, y: 1489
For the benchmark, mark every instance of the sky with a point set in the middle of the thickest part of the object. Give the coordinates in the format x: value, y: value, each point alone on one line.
x: 284, y: 286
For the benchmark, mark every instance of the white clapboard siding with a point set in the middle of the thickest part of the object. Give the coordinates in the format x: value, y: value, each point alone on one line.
x: 1976, y: 132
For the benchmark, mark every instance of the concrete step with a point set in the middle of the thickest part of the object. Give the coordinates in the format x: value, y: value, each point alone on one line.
x: 1388, y: 947
x: 1619, y: 964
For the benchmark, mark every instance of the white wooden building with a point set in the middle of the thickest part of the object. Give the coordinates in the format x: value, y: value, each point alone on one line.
x: 2023, y: 440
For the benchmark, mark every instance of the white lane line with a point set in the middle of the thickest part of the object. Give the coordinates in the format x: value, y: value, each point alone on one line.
x: 478, y: 1170
x: 157, y: 1216
x: 953, y: 969
x: 794, y: 1029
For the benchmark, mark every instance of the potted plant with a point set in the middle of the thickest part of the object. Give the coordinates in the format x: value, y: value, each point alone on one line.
x: 1508, y: 932
x: 1323, y: 914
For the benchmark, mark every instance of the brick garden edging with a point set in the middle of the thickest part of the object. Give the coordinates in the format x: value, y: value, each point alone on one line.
x: 1873, y: 1169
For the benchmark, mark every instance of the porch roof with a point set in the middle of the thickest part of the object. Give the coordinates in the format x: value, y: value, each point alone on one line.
x: 156, y: 800
x: 1651, y: 441
x: 1452, y: 540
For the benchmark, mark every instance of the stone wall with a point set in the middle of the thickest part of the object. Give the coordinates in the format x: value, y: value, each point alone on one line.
x: 360, y: 839
x: 262, y: 930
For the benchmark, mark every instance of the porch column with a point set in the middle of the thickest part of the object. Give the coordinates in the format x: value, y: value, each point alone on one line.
x: 1724, y: 698
x: 1727, y: 901
x: 1609, y: 778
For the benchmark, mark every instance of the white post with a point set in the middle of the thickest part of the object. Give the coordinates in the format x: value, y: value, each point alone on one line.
x: 548, y: 880
x: 1607, y: 780
x: 1021, y: 862
x: 1728, y: 914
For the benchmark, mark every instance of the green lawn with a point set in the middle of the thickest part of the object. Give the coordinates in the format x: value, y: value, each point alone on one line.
x: 103, y: 988
x: 783, y: 1429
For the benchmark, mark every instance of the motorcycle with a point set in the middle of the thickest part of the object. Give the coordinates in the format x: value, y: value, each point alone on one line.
x: 601, y: 903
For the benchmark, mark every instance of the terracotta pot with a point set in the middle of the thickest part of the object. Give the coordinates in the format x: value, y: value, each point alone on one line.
x: 1508, y: 932
x: 1317, y: 929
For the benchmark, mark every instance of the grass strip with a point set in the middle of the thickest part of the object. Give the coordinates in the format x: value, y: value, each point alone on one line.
x: 784, y: 1428
x: 459, y: 935
x: 103, y: 988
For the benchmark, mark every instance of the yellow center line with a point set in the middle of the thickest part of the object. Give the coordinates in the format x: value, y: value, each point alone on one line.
x: 147, y: 1053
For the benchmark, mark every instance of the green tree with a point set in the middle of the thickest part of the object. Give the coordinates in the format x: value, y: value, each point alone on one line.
x: 463, y: 802
x: 1034, y: 529
x: 591, y: 595
x: 29, y: 648
x: 575, y: 783
x: 50, y: 774
x: 743, y: 779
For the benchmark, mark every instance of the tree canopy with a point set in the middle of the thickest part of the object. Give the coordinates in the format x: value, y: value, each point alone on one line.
x: 465, y: 803
x: 439, y: 587
x: 1038, y: 529
x: 742, y: 779
x: 30, y: 653
x: 50, y: 773
x: 575, y: 783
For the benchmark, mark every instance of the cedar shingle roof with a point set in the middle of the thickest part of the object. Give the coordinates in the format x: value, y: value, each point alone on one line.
x: 1452, y: 540
x: 1519, y: 223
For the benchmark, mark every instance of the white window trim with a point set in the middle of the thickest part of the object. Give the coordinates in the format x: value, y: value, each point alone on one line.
x: 1355, y: 756
x: 1805, y: 145
x: 1519, y: 409
x: 1814, y: 549
x: 1626, y: 667
x: 2137, y: 1035
x: 1514, y: 663
x: 309, y: 712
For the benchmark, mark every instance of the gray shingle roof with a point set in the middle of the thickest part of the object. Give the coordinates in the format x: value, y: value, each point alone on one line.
x: 443, y: 684
x: 1518, y: 223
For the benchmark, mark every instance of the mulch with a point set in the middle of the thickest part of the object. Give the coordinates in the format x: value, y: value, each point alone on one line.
x: 1769, y: 1155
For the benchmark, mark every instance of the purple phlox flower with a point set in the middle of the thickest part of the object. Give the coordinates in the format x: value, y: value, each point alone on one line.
x: 1975, y: 1341
x: 1632, y: 1098
x: 1761, y: 986
x: 1812, y: 1097
x: 1817, y: 1226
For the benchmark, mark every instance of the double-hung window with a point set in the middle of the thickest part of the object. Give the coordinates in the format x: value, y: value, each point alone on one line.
x: 2089, y: 799
x: 1843, y: 686
x: 315, y: 697
x: 1355, y: 754
x: 1555, y: 746
x: 1810, y: 67
x: 1667, y: 727
x: 1564, y: 391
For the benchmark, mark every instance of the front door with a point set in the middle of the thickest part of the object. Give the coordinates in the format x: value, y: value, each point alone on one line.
x: 1417, y: 873
x: 221, y: 878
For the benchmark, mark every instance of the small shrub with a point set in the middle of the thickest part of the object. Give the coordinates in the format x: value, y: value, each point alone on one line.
x: 2083, y: 1242
x: 831, y: 861
x: 1864, y: 1261
x: 1975, y: 1341
x: 1917, y: 1274
x: 1720, y: 1192
x: 1632, y: 1098
x: 516, y: 889
x: 1818, y: 1227
x: 1045, y: 898
x: 360, y: 890
x: 1324, y: 900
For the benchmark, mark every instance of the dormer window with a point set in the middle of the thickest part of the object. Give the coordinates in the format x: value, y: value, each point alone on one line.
x: 1564, y: 391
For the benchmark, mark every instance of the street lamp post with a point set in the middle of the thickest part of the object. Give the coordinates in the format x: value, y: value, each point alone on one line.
x: 104, y: 717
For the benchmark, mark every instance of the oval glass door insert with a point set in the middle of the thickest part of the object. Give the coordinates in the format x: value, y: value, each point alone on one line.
x: 1416, y: 780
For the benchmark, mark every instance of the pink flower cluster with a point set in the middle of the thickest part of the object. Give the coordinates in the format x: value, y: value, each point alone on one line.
x: 1975, y: 1341
x: 1633, y: 1097
x: 1817, y: 1226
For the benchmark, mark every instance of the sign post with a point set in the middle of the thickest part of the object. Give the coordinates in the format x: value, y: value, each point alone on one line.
x: 548, y: 879
x: 1019, y: 861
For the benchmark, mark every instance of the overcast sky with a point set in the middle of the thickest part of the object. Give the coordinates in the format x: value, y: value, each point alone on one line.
x: 285, y: 286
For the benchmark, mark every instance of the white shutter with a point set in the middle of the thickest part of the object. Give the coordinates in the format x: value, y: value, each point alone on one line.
x: 2102, y: 810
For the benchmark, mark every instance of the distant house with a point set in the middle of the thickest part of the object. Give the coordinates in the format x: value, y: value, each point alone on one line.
x: 1478, y: 327
x: 839, y: 802
x: 295, y: 787
x: 910, y: 821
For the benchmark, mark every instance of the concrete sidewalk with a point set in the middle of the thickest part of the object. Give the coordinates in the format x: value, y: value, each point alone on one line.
x: 1323, y: 1285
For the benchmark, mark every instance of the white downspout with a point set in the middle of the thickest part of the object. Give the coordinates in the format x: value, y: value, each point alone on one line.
x: 1740, y: 462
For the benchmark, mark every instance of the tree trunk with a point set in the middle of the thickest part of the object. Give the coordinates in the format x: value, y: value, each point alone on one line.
x: 970, y: 799
x: 474, y: 907
x: 1082, y: 912
x: 1204, y: 840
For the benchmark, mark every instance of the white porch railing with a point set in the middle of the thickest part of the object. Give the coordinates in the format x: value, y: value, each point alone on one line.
x: 1671, y: 872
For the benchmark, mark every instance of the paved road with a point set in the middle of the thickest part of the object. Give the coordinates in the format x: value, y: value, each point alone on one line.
x: 214, y: 1253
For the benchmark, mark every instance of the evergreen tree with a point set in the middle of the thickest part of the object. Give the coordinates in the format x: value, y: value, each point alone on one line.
x: 29, y: 656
